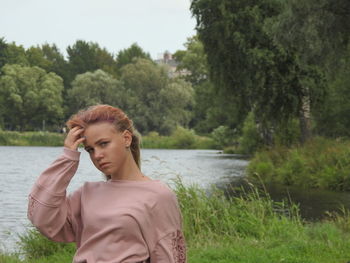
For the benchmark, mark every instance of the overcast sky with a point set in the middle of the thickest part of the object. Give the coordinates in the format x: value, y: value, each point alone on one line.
x: 156, y: 25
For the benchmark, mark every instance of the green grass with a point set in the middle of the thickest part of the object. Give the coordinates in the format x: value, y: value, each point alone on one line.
x: 321, y: 163
x: 250, y: 229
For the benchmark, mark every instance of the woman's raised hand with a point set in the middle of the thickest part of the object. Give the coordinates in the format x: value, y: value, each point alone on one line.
x: 74, y: 138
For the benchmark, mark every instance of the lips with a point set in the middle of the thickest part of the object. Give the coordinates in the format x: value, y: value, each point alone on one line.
x: 103, y: 165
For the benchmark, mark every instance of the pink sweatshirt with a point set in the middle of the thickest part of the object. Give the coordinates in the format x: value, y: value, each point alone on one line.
x: 110, y: 222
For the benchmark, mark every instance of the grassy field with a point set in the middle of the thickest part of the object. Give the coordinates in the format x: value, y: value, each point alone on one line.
x: 249, y: 229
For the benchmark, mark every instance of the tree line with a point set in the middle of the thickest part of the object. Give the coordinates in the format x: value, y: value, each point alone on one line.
x: 261, y: 72
x: 40, y: 88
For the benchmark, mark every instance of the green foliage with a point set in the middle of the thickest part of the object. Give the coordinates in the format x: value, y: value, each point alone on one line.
x: 155, y: 103
x: 332, y: 119
x: 259, y: 75
x: 194, y: 60
x: 250, y: 139
x: 8, y: 138
x: 223, y: 136
x: 183, y: 138
x: 180, y: 139
x: 88, y: 56
x: 288, y: 133
x: 129, y: 55
x: 321, y: 163
x: 96, y: 87
x: 16, y: 54
x: 3, y: 52
x: 29, y: 95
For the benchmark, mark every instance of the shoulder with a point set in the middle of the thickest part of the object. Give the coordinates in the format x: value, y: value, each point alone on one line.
x: 166, y: 205
x: 163, y: 193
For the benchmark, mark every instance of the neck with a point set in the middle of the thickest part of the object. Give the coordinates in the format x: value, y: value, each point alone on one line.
x: 129, y: 171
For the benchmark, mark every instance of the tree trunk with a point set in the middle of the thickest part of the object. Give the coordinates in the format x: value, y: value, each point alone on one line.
x: 305, y: 119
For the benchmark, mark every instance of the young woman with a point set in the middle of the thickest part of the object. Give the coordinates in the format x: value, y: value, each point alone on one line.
x: 127, y: 218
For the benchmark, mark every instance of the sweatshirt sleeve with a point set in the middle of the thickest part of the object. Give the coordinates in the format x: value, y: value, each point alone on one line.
x: 170, y: 249
x: 170, y: 245
x: 49, y: 209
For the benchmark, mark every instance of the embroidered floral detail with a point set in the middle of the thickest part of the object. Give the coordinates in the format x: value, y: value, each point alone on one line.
x: 31, y: 206
x: 179, y: 248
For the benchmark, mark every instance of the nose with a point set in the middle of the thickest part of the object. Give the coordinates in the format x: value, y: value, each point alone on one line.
x: 98, y: 155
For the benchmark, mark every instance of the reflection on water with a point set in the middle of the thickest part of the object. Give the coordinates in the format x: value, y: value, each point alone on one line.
x: 314, y: 204
x: 20, y: 166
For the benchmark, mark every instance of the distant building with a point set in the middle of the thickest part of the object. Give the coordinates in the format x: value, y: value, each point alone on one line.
x: 166, y: 59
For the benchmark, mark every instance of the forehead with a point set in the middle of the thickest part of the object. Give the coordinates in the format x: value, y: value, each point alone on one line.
x: 98, y: 130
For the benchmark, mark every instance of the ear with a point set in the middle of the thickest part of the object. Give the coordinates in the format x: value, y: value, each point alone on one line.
x: 127, y: 136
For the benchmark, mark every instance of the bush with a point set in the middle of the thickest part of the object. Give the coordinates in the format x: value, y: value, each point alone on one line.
x: 250, y: 139
x: 321, y: 163
x: 223, y: 136
x: 184, y: 138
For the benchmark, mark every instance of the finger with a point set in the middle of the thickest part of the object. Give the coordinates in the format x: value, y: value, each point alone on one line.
x: 79, y: 141
x: 77, y: 132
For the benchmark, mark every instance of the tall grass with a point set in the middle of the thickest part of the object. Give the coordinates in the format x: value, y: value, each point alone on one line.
x: 321, y: 163
x: 250, y: 228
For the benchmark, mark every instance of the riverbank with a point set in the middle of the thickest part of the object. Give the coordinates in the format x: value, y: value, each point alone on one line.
x: 180, y: 139
x: 321, y: 163
x: 235, y: 230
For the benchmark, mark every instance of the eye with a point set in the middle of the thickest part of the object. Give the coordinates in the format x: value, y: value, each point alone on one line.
x: 103, y: 144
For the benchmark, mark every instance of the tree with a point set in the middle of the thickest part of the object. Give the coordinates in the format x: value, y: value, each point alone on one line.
x: 130, y: 54
x: 30, y: 96
x: 16, y: 54
x: 178, y: 96
x: 87, y: 56
x: 3, y: 52
x: 154, y: 99
x: 246, y: 65
x: 194, y: 60
x: 96, y: 87
x: 206, y: 111
x: 318, y: 33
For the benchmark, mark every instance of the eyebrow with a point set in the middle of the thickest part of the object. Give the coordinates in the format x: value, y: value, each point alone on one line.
x: 98, y: 141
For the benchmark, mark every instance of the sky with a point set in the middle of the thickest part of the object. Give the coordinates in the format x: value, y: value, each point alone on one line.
x: 155, y: 25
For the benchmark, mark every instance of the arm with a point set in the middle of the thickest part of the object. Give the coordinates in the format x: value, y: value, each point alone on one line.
x: 55, y: 215
x: 49, y: 209
x: 170, y: 246
x: 170, y: 249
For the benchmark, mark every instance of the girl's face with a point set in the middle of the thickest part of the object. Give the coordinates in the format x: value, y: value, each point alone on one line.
x: 107, y: 147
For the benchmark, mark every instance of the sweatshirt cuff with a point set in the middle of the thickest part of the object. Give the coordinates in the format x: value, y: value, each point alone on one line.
x: 71, y: 154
